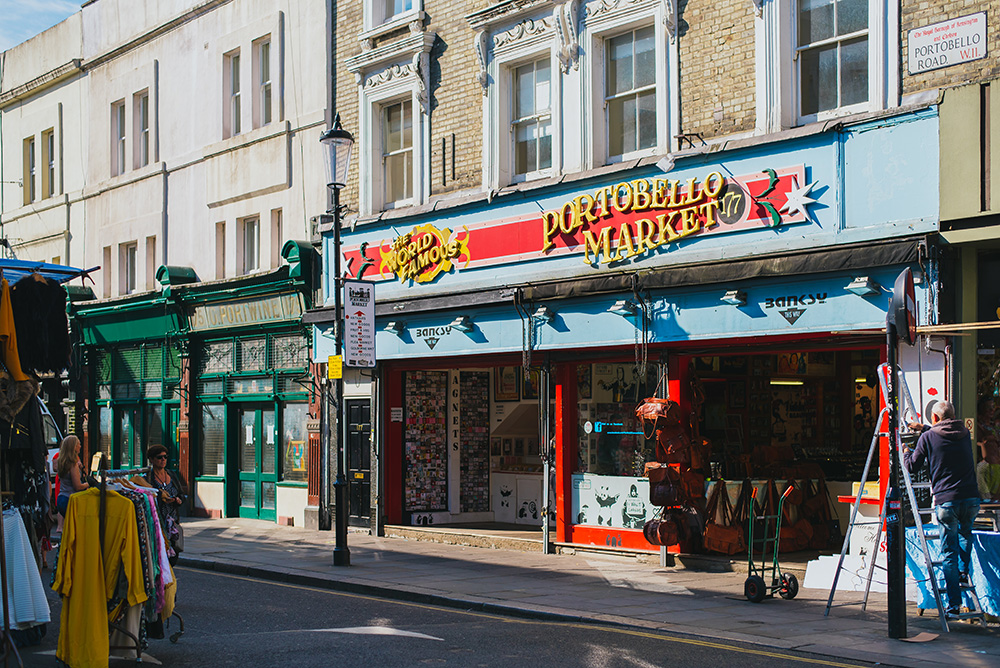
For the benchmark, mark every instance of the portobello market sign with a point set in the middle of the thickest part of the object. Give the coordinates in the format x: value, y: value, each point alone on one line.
x: 625, y: 221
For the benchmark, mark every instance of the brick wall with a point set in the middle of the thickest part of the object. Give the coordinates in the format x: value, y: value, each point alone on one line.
x: 348, y: 23
x: 717, y: 81
x: 914, y: 14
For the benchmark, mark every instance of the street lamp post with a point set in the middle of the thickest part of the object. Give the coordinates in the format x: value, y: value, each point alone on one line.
x: 338, y: 143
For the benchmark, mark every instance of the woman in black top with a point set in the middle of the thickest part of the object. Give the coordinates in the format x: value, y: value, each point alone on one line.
x: 173, y: 491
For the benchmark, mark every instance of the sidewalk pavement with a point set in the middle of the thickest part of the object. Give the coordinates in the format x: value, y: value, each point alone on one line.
x: 578, y: 587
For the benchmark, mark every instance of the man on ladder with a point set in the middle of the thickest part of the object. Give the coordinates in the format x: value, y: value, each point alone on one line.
x: 947, y: 446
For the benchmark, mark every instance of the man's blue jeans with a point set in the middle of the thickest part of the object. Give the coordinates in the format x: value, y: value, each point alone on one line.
x: 955, y: 518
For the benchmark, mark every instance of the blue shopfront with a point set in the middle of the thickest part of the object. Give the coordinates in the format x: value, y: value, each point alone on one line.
x: 750, y: 282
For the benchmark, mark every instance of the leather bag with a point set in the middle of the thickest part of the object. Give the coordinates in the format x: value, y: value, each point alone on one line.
x: 725, y: 536
x: 664, y: 484
x: 668, y: 529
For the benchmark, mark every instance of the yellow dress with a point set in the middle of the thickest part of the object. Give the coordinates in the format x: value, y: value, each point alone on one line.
x: 87, y: 575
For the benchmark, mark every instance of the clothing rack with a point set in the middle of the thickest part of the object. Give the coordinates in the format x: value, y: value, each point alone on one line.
x: 7, y: 640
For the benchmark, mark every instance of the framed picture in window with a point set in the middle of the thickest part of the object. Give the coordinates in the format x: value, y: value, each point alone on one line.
x: 506, y: 385
x: 584, y: 379
x: 530, y: 387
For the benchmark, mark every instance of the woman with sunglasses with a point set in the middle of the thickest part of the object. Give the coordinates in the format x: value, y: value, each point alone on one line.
x: 172, y: 492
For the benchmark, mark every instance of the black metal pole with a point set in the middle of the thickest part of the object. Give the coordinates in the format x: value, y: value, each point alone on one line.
x: 341, y: 554
x: 894, y: 536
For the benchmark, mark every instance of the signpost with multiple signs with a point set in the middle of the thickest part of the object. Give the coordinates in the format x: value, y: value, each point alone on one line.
x: 359, y: 324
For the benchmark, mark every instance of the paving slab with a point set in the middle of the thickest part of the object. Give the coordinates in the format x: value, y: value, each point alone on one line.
x: 598, y: 588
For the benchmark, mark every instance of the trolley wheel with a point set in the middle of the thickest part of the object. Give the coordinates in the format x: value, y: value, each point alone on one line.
x: 754, y: 589
x: 789, y: 586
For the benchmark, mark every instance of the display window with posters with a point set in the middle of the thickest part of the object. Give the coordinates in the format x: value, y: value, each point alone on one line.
x: 609, y: 484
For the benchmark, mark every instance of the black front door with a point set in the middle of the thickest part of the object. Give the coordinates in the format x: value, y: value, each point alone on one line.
x: 359, y: 458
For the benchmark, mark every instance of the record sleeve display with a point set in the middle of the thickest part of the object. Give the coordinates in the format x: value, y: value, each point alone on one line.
x: 475, y: 440
x: 426, y: 484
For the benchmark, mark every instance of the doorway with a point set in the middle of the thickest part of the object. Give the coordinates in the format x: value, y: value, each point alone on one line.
x: 258, y: 456
x: 359, y: 458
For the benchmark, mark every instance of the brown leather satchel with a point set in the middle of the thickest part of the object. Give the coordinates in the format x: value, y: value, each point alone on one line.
x: 725, y: 536
x: 669, y: 529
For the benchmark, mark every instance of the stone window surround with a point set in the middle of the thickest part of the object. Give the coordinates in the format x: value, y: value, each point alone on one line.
x: 512, y: 32
x: 776, y: 69
x: 374, y: 28
x: 387, y: 74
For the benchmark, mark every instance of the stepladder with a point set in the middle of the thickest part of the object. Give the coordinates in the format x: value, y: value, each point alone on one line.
x: 926, y: 570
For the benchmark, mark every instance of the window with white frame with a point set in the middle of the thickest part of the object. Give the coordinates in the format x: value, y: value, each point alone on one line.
x: 397, y: 152
x: 820, y: 59
x: 531, y: 124
x: 250, y: 244
x: 29, y: 171
x: 832, y: 54
x: 118, y: 138
x: 381, y: 12
x: 49, y: 163
x: 262, y: 103
x: 141, y: 125
x: 128, y: 259
x: 232, y: 112
x: 630, y: 91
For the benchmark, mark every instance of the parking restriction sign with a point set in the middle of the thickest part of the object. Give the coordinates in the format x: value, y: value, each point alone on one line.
x: 359, y: 324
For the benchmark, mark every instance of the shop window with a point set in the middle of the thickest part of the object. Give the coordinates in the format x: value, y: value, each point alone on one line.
x: 217, y: 357
x: 212, y: 439
x: 295, y: 442
x: 105, y: 433
x: 153, y: 428
x: 531, y: 127
x: 426, y: 478
x: 251, y: 354
x: 290, y: 352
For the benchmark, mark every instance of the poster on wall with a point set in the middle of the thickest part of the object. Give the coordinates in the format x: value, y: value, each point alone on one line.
x: 506, y: 385
x: 620, y: 502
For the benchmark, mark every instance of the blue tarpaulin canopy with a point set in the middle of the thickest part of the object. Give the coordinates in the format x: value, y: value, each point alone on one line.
x: 15, y: 270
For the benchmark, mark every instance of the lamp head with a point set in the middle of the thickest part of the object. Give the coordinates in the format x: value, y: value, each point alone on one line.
x: 338, y: 143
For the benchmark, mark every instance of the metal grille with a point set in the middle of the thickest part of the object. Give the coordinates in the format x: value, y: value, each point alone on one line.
x: 170, y: 391
x: 173, y: 368
x: 290, y: 352
x: 251, y: 354
x: 152, y: 389
x: 217, y: 357
x: 103, y: 391
x: 152, y: 362
x: 102, y: 362
x: 128, y: 365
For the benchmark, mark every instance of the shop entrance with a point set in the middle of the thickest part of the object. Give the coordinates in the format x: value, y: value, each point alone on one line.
x: 128, y: 424
x: 258, y: 456
x: 359, y: 429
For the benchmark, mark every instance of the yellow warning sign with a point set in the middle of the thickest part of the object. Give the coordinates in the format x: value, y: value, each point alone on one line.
x: 335, y: 367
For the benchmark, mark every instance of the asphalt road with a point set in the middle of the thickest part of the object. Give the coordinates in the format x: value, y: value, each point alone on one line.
x: 237, y: 621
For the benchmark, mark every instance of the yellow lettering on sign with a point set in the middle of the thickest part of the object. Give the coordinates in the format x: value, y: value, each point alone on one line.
x: 601, y: 246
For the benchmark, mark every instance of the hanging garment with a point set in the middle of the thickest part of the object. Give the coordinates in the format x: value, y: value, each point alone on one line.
x: 8, y: 335
x: 39, y: 306
x: 88, y: 573
x: 25, y: 593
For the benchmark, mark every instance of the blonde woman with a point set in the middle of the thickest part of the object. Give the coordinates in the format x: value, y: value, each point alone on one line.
x: 69, y: 468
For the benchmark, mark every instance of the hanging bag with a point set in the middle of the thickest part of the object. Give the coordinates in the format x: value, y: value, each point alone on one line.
x: 664, y: 484
x: 725, y: 536
x: 668, y: 529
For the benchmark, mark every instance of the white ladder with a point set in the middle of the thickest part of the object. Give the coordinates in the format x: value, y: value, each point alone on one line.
x: 929, y: 564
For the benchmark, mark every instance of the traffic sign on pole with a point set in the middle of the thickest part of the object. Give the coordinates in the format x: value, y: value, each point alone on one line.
x: 359, y: 324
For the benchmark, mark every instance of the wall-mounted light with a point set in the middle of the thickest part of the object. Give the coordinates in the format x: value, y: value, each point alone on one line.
x: 462, y: 323
x: 543, y: 314
x: 735, y: 298
x: 396, y: 327
x: 779, y: 381
x: 863, y: 286
x: 623, y: 307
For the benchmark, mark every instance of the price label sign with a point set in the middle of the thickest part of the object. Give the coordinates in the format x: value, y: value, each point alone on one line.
x: 359, y: 323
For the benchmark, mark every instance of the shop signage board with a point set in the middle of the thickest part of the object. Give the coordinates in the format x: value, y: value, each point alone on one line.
x: 359, y: 324
x: 633, y: 219
x: 335, y: 367
x: 246, y: 312
x: 946, y: 43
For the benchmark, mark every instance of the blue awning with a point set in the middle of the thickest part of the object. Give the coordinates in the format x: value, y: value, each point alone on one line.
x: 15, y: 270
